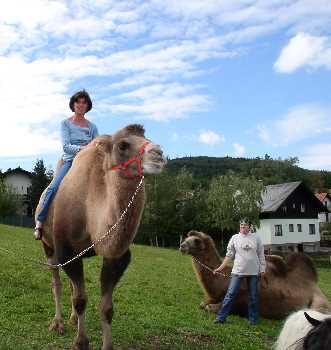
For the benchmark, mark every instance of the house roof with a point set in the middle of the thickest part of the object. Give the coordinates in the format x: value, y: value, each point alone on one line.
x: 321, y: 196
x: 275, y: 195
x: 17, y: 170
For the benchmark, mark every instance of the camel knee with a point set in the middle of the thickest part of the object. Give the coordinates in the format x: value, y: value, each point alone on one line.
x: 107, y: 314
x: 79, y: 305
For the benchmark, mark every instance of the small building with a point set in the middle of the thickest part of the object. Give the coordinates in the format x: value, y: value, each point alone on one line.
x: 325, y: 199
x: 20, y: 181
x: 289, y: 218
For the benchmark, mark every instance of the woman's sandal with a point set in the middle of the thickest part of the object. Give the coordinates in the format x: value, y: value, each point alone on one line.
x: 38, y: 233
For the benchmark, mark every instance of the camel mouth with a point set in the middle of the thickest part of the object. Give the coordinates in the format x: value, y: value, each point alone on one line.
x: 184, y: 249
x: 153, y: 167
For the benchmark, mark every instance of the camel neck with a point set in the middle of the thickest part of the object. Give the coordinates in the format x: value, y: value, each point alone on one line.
x: 212, y: 259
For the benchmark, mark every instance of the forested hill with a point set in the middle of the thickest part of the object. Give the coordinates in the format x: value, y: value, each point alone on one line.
x: 270, y: 171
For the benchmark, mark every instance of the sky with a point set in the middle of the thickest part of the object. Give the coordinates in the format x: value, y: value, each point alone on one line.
x: 239, y: 78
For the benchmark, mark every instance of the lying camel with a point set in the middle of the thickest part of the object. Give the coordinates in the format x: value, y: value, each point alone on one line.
x: 288, y: 285
x: 91, y: 199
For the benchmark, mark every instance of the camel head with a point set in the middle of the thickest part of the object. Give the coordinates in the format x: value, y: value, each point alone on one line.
x: 196, y: 243
x: 131, y: 153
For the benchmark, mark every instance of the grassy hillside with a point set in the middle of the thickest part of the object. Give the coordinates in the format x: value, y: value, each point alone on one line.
x: 156, y: 303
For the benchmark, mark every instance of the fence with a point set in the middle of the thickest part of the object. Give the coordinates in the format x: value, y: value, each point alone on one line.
x: 18, y: 220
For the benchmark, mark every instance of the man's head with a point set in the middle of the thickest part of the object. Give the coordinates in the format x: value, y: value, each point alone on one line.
x: 244, y: 226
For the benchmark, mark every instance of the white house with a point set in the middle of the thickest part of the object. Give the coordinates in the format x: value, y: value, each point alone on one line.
x: 20, y: 181
x: 289, y: 218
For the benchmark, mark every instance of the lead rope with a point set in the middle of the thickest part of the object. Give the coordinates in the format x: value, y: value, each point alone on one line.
x: 55, y: 266
x: 208, y: 268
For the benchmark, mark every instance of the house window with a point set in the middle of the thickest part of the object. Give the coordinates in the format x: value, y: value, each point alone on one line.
x: 293, y: 205
x: 299, y: 227
x: 312, y: 229
x: 284, y: 208
x: 278, y: 230
x: 302, y: 208
x: 291, y: 227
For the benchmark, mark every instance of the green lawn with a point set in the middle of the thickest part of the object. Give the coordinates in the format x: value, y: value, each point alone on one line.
x: 156, y: 303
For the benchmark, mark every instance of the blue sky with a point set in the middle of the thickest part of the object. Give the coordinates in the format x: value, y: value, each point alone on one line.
x: 213, y: 77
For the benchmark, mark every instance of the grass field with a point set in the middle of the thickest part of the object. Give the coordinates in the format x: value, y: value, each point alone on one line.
x: 156, y: 303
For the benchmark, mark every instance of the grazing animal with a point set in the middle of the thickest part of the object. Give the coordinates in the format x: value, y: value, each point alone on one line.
x: 305, y: 330
x: 288, y: 285
x: 91, y: 199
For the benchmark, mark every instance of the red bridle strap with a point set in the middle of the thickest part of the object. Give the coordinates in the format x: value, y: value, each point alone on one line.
x: 124, y: 167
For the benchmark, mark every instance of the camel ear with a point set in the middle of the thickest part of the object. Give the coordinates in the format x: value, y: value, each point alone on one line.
x: 312, y: 321
x: 105, y: 143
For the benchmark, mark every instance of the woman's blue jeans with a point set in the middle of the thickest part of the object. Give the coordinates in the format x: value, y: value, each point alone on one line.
x: 252, y: 282
x: 52, y: 189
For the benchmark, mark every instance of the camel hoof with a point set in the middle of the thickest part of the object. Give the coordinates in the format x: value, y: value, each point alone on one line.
x: 57, y: 326
x: 108, y: 347
x: 73, y: 319
x: 212, y: 308
x: 202, y: 305
x: 81, y: 344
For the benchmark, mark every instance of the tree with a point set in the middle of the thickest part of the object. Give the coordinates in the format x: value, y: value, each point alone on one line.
x: 9, y: 200
x: 40, y: 180
x: 230, y: 198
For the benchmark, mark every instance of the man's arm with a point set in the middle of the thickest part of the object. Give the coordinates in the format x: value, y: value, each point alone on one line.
x: 230, y: 254
x: 224, y: 264
x: 260, y: 254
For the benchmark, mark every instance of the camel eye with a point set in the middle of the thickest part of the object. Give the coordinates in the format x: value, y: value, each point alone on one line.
x: 123, y: 145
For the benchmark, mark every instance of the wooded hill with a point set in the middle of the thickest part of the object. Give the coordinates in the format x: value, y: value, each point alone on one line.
x: 270, y: 171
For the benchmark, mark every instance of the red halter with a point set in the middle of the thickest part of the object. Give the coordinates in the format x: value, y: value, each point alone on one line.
x: 124, y: 167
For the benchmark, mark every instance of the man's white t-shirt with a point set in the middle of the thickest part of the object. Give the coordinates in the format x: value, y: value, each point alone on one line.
x: 248, y: 254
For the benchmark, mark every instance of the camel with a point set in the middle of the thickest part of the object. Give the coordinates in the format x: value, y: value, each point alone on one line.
x: 90, y: 200
x: 288, y: 285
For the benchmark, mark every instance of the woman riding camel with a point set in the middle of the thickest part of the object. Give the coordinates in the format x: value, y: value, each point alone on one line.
x: 77, y: 133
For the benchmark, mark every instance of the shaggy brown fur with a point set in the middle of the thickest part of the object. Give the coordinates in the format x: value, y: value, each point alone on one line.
x: 90, y: 200
x: 288, y: 284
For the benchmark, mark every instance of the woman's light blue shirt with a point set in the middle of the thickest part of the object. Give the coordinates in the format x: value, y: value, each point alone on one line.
x: 74, y: 136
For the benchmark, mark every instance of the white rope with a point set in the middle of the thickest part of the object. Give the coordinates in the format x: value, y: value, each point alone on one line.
x: 55, y: 266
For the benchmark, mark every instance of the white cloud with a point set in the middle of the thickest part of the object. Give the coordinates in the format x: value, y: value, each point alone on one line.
x: 300, y: 123
x: 210, y: 137
x: 304, y: 50
x: 317, y: 157
x: 239, y: 150
x: 147, y: 53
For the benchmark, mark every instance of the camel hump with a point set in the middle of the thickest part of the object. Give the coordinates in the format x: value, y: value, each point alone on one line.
x: 303, y: 265
x: 276, y: 265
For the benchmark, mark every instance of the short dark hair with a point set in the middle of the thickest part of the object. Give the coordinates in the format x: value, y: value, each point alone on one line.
x: 80, y: 94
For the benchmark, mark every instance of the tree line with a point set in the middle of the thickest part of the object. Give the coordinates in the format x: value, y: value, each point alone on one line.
x: 202, y: 193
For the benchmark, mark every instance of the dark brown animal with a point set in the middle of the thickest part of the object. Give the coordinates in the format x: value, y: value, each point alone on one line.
x: 90, y: 200
x: 288, y: 285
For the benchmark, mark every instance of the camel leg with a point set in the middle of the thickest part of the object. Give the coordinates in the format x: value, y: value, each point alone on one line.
x: 75, y: 272
x: 57, y: 323
x: 112, y: 270
x: 73, y: 317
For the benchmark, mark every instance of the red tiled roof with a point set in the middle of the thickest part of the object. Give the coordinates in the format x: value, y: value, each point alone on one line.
x: 321, y: 196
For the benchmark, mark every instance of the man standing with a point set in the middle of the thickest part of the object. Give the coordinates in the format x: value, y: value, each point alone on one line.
x: 246, y: 250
